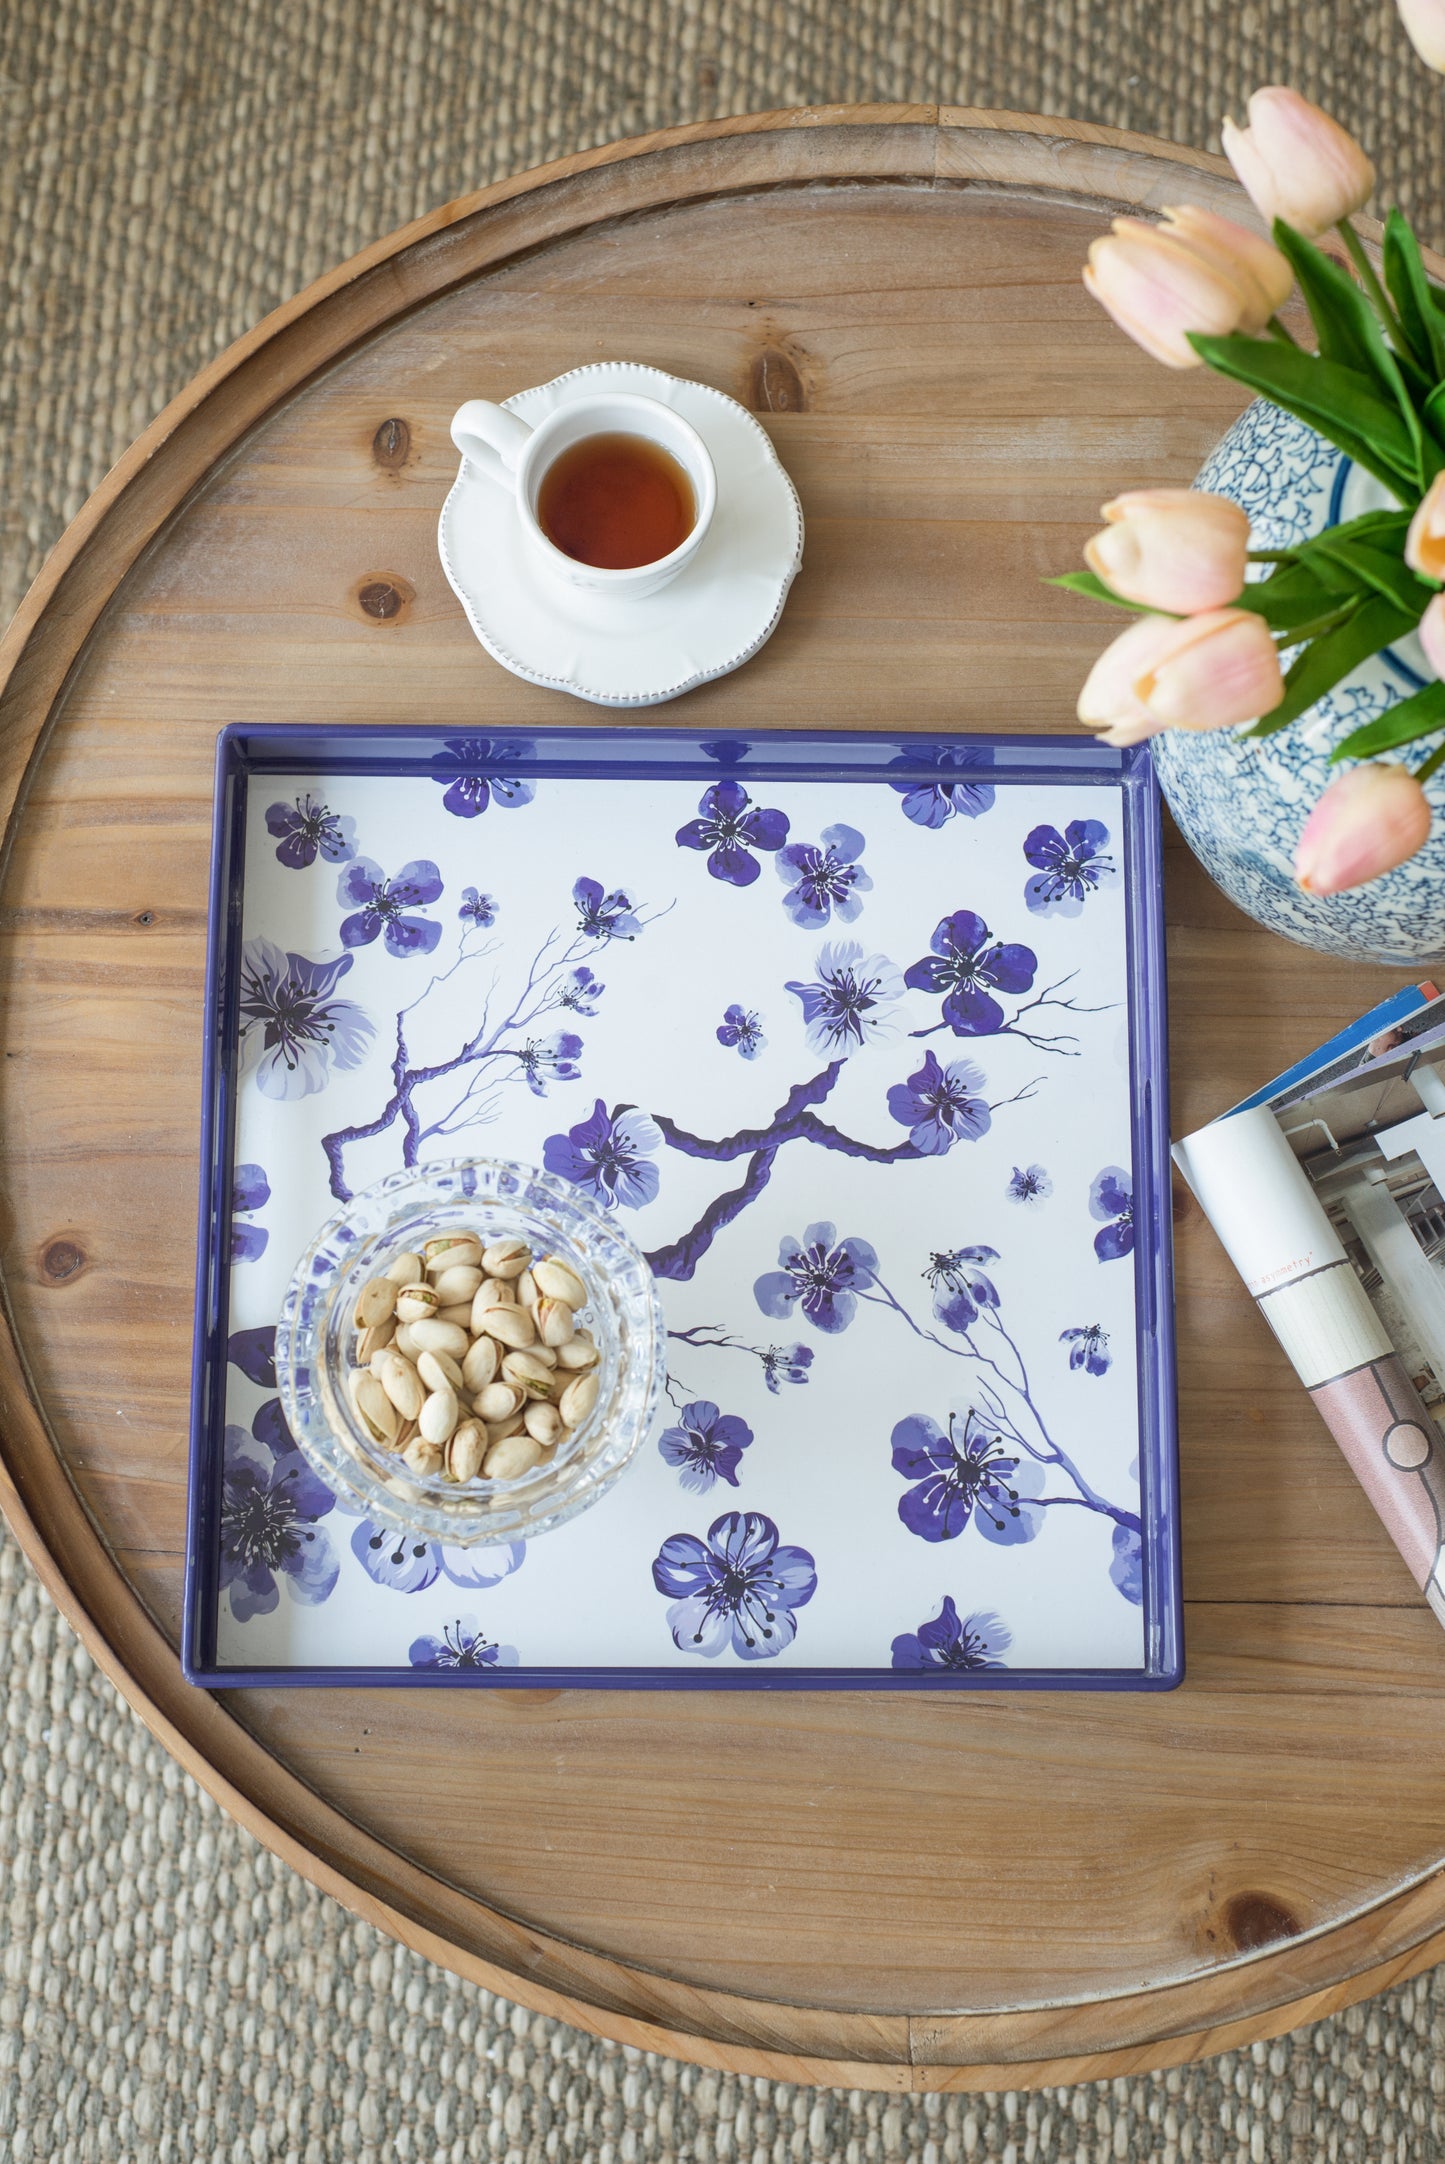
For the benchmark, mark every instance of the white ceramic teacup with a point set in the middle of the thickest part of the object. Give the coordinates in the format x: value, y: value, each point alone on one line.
x: 515, y: 456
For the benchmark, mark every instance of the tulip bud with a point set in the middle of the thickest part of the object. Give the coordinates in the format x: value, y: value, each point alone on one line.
x: 1204, y: 672
x: 1253, y: 264
x: 1172, y: 548
x: 1425, y: 542
x: 1431, y: 628
x: 1296, y: 163
x: 1159, y: 289
x: 1368, y: 821
x: 1424, y: 22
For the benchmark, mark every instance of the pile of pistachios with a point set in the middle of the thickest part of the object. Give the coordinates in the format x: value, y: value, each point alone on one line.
x: 468, y: 1360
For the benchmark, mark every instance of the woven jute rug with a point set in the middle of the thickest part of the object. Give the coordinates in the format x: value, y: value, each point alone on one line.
x: 169, y: 170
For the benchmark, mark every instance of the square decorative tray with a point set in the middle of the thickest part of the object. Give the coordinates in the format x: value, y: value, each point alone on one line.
x: 864, y: 1039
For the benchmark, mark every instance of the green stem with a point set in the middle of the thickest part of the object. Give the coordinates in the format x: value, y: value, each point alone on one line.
x: 1270, y: 556
x: 1298, y: 634
x: 1378, y: 298
x: 1280, y: 331
x: 1431, y: 766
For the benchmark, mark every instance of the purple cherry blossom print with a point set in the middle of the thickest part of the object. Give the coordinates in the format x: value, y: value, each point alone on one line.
x: 250, y: 1191
x: 941, y: 1105
x: 824, y: 878
x: 468, y: 771
x: 850, y: 1002
x: 705, y: 1446
x: 730, y: 826
x: 270, y: 1504
x: 604, y: 916
x: 549, y: 1059
x: 956, y: 793
x: 482, y: 1566
x: 968, y: 965
x: 742, y: 1031
x: 477, y: 909
x: 1126, y: 1567
x: 1029, y: 1184
x: 462, y: 1644
x: 292, y: 1026
x: 580, y: 992
x: 403, y: 1562
x: 786, y: 1364
x: 965, y: 1477
x: 1111, y: 1201
x: 1088, y: 1348
x: 254, y: 1353
x: 727, y: 750
x: 821, y: 1273
x: 961, y: 1288
x: 738, y: 1588
x: 1070, y: 866
x: 381, y: 906
x: 608, y: 1155
x: 952, y: 1642
x: 307, y: 829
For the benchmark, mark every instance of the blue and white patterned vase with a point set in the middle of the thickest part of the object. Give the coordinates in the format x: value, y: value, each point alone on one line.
x: 1240, y: 804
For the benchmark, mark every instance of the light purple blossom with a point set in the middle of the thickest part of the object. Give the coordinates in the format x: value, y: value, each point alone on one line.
x: 824, y: 878
x: 1111, y: 1200
x: 941, y: 1105
x: 308, y: 829
x: 1088, y: 1348
x: 270, y: 1504
x: 821, y: 1273
x: 291, y: 1024
x: 580, y: 991
x: 478, y: 784
x: 742, y: 1028
x: 550, y: 1059
x: 969, y: 965
x: 850, y: 1002
x: 730, y: 825
x: 478, y: 909
x: 738, y: 1588
x: 381, y: 905
x: 955, y: 794
x: 967, y: 1476
x: 604, y: 916
x: 948, y: 1642
x: 1070, y: 866
x: 461, y: 1645
x: 705, y: 1445
x: 1030, y: 1185
x: 961, y: 1288
x: 607, y: 1154
x: 250, y: 1191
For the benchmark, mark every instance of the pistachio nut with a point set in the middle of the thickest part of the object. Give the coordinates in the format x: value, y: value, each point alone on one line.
x: 424, y: 1457
x: 529, y: 1374
x: 415, y: 1302
x: 512, y: 1456
x: 498, y: 1401
x: 371, y: 1341
x: 559, y: 1282
x: 375, y: 1302
x: 402, y: 1384
x: 466, y: 1450
x: 506, y: 1258
x: 439, y: 1371
x: 434, y: 1336
x: 406, y: 1270
x: 527, y: 1294
x: 509, y: 1325
x: 438, y: 1417
x: 458, y: 1282
x: 491, y: 1293
x: 555, y: 1321
x: 542, y: 1422
x: 480, y: 1365
x: 451, y: 1248
x: 578, y: 1399
x: 578, y: 1352
x: 514, y: 1425
x: 374, y: 1408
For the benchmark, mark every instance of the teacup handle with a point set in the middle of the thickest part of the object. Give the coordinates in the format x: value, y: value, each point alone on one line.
x: 490, y: 437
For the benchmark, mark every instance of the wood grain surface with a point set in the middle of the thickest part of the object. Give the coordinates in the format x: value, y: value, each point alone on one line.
x: 897, y: 1892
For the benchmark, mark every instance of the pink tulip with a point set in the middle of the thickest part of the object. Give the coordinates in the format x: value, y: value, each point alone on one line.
x: 1158, y: 288
x: 1254, y: 264
x: 1172, y: 548
x: 1368, y: 821
x: 1431, y: 628
x: 1198, y: 672
x: 1298, y: 164
x: 1424, y: 22
x: 1425, y: 542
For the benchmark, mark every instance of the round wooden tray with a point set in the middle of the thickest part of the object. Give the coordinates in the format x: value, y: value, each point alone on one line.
x: 901, y: 1892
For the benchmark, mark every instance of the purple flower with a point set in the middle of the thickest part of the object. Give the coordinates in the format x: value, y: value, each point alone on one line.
x: 934, y: 803
x: 948, y: 1643
x: 287, y: 1011
x: 580, y: 991
x: 307, y: 829
x: 960, y: 1288
x: 939, y: 1105
x: 407, y: 1564
x: 706, y: 1445
x: 250, y: 1190
x: 966, y: 1475
x: 1088, y: 1348
x: 1111, y: 1199
x: 823, y: 877
x: 738, y: 1588
x: 254, y: 1353
x: 469, y: 792
x: 270, y: 1502
x: 380, y: 904
x: 727, y: 750
x: 822, y: 1271
x: 1070, y: 866
x: 730, y: 825
x: 786, y: 1364
x: 1030, y: 1184
x: 606, y: 1154
x: 461, y: 1645
x: 967, y: 967
x: 1126, y: 1566
x: 553, y: 1059
x: 604, y: 916
x: 478, y: 909
x: 741, y: 1027
x: 849, y: 1004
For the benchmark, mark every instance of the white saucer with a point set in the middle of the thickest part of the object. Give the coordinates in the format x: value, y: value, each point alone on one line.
x: 714, y: 616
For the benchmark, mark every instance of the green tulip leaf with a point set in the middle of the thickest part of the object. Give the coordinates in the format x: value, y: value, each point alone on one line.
x: 1326, y: 659
x: 1093, y: 588
x: 1410, y: 290
x: 1339, y: 402
x: 1288, y: 597
x: 1375, y: 568
x: 1419, y: 715
x: 1348, y: 330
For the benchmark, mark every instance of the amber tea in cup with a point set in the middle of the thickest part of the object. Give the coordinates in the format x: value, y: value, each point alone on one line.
x: 616, y: 501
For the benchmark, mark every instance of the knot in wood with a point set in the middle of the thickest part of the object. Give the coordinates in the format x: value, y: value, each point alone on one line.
x: 384, y: 597
x: 776, y: 386
x: 61, y: 1260
x: 1258, y: 1919
x: 391, y: 444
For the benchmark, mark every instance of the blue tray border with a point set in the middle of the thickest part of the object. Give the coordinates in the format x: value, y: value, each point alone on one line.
x: 656, y: 754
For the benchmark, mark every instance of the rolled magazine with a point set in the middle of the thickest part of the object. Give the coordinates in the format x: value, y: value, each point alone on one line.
x: 1327, y: 1189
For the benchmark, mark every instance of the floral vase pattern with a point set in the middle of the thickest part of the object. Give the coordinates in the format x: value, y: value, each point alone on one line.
x: 1241, y: 803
